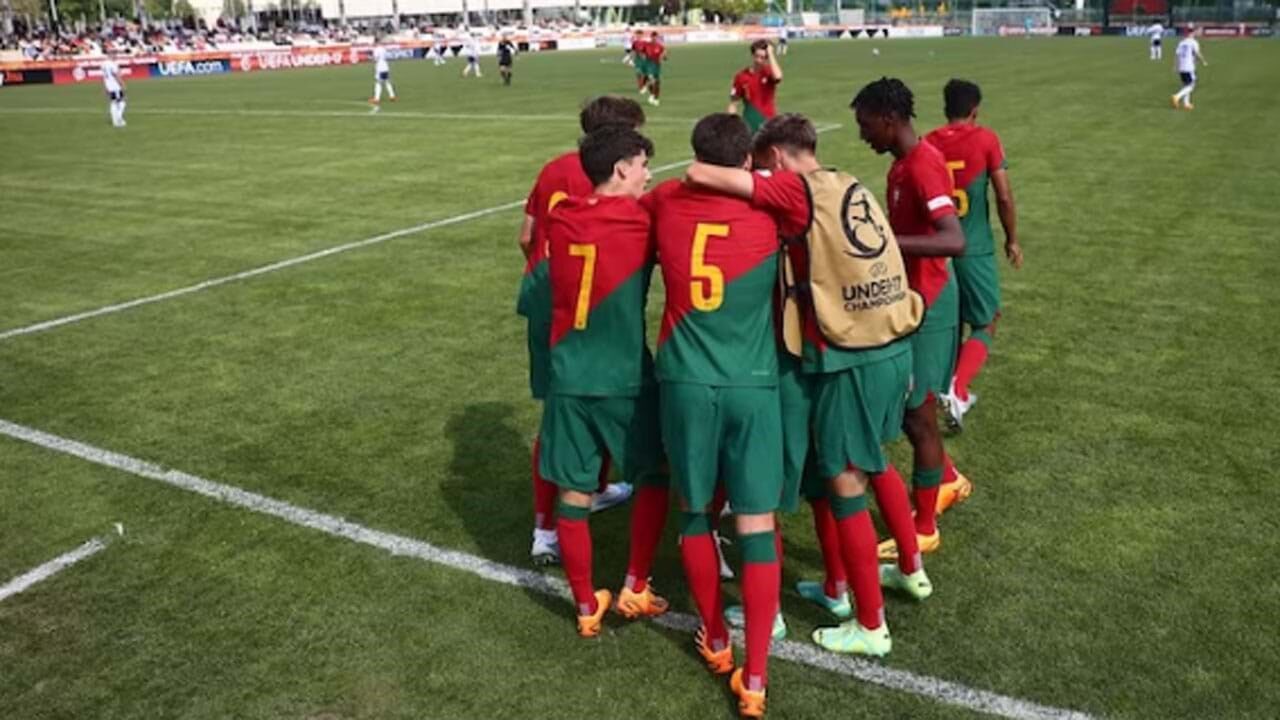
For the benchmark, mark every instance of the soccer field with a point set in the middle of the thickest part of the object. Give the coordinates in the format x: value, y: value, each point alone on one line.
x: 1119, y: 557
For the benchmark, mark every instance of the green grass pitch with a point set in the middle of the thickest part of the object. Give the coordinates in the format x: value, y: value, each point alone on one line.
x: 1119, y: 556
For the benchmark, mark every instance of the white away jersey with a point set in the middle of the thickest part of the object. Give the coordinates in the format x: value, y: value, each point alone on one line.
x: 1186, y: 52
x: 380, y: 60
x: 1156, y: 32
x: 111, y: 76
x: 471, y: 49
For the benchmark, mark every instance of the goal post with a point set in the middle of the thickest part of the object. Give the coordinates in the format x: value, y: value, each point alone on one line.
x: 1013, y: 21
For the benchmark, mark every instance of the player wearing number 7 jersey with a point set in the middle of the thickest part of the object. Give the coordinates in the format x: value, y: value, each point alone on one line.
x: 603, y: 401
x: 975, y: 158
x: 559, y: 179
x: 718, y: 369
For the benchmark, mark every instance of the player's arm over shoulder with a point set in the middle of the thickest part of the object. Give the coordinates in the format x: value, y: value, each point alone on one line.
x: 785, y: 196
x: 731, y: 181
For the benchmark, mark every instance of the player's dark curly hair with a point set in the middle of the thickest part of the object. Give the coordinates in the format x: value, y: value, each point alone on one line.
x: 960, y: 97
x: 886, y: 96
x: 610, y: 110
x: 759, y: 45
x: 603, y: 148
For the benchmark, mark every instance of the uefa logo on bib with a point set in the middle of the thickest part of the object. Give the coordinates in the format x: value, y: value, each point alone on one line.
x: 867, y: 238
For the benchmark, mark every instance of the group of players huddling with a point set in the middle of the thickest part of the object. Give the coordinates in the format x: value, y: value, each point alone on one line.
x: 801, y: 333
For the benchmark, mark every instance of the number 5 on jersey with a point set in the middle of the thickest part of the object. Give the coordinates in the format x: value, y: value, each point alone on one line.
x: 962, y: 197
x: 706, y: 288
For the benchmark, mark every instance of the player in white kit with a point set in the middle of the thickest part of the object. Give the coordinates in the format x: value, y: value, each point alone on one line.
x: 1156, y: 33
x: 114, y: 86
x: 1187, y: 54
x: 471, y: 51
x: 381, y: 76
x: 438, y: 48
x: 627, y: 50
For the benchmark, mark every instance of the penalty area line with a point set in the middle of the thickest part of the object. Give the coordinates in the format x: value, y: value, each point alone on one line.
x: 937, y: 689
x: 43, y: 572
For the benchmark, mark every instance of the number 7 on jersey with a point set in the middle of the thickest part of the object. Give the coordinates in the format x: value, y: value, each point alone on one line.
x: 583, y: 307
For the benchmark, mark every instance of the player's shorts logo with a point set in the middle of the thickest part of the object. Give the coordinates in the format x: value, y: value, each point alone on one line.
x: 866, y: 237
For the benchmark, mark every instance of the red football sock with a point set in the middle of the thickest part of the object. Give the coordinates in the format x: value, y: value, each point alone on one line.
x: 824, y: 524
x: 761, y: 585
x: 544, y: 494
x: 926, y: 520
x: 575, y: 555
x: 949, y: 473
x: 702, y: 570
x: 973, y: 353
x: 858, y: 548
x: 648, y: 516
x: 895, y: 510
x: 606, y: 464
x: 925, y: 483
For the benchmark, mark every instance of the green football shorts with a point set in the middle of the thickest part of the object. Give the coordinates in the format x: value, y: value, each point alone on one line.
x: 856, y: 411
x: 577, y: 432
x: 795, y: 395
x: 934, y: 346
x: 724, y: 434
x: 933, y: 354
x: 979, y: 289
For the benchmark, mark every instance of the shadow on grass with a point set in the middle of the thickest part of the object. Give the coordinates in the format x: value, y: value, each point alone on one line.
x: 488, y: 487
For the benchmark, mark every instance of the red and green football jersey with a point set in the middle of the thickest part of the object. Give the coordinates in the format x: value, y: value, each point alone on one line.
x: 786, y: 196
x: 558, y: 180
x: 920, y: 193
x: 719, y: 260
x: 601, y: 261
x: 757, y: 91
x: 655, y: 51
x: 972, y: 153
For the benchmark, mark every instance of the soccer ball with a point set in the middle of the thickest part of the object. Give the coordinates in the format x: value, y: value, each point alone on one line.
x: 875, y: 51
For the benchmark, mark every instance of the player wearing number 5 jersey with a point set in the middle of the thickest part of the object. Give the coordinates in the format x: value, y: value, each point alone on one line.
x: 603, y: 401
x: 851, y: 396
x: 975, y: 159
x: 718, y: 368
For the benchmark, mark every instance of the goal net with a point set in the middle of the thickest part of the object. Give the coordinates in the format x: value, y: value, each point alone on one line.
x: 1013, y: 21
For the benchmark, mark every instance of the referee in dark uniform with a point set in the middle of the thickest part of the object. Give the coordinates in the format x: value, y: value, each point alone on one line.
x: 506, y: 56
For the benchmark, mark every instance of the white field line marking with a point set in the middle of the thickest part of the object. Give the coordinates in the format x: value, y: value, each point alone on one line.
x: 260, y: 270
x: 282, y: 264
x: 389, y: 113
x: 51, y: 568
x: 923, y: 685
